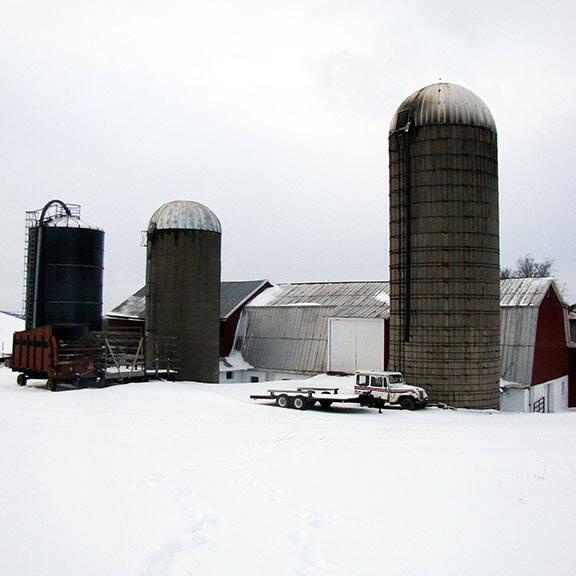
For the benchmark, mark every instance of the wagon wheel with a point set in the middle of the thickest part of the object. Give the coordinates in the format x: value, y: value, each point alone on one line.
x: 21, y: 380
x: 300, y: 403
x: 283, y: 401
x: 52, y: 384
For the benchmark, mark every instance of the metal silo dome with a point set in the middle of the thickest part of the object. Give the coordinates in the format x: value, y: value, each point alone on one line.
x: 443, y: 103
x: 184, y: 215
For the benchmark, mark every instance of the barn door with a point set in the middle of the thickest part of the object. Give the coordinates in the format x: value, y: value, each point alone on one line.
x: 355, y: 344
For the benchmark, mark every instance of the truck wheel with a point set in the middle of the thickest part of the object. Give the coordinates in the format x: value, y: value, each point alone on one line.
x: 21, y: 380
x: 407, y: 403
x: 283, y: 401
x: 52, y: 385
x: 300, y: 403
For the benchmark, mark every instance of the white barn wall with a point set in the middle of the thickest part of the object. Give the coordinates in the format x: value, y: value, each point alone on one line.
x: 355, y: 344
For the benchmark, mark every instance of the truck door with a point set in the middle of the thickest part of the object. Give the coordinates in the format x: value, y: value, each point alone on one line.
x: 378, y: 387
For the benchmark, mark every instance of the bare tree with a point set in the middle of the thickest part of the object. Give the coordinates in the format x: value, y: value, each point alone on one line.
x: 527, y: 267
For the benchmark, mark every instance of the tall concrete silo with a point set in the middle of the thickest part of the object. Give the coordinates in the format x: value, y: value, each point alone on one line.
x: 183, y: 285
x: 444, y: 246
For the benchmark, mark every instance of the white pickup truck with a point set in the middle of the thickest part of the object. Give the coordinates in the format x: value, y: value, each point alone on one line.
x: 388, y: 389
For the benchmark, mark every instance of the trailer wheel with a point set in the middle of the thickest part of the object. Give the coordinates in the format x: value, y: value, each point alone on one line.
x: 21, y: 380
x: 325, y: 403
x: 406, y: 403
x: 283, y: 401
x: 52, y: 384
x: 300, y: 403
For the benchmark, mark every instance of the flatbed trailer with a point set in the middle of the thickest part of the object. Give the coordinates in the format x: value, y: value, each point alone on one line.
x: 304, y: 397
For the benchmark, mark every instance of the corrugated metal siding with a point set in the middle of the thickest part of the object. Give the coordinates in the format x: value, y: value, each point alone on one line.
x: 289, y: 338
x: 517, y: 340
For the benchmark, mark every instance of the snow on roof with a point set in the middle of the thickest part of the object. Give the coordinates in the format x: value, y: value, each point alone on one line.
x: 9, y: 323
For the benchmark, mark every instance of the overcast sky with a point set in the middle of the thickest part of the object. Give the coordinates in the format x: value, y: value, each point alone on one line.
x: 275, y: 115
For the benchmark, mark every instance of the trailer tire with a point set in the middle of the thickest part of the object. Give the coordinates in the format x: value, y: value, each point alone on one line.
x: 52, y: 384
x: 21, y: 380
x: 283, y: 401
x: 407, y: 403
x: 325, y: 403
x: 300, y: 403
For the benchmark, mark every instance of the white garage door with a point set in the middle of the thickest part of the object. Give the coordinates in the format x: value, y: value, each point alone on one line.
x: 355, y: 344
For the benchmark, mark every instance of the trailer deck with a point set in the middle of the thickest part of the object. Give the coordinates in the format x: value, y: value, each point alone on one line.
x: 307, y: 396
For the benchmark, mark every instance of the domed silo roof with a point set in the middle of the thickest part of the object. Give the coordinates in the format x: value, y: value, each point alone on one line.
x: 184, y: 215
x: 443, y: 103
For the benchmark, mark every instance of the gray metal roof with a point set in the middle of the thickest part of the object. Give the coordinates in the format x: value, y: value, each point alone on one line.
x: 232, y: 295
x: 347, y: 299
x: 443, y: 103
x: 134, y: 307
x: 525, y: 291
x: 184, y: 215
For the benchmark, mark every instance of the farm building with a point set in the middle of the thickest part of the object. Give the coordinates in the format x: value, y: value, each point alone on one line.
x: 534, y: 345
x: 233, y: 297
x: 302, y: 329
x: 341, y: 327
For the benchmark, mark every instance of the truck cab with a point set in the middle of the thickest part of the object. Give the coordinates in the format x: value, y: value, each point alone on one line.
x: 388, y: 389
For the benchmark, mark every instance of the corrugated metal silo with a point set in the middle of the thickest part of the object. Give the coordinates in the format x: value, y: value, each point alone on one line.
x: 444, y: 246
x: 64, y: 269
x: 183, y: 285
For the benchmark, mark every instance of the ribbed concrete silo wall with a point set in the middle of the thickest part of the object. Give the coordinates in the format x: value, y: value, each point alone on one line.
x: 183, y: 297
x: 444, y: 262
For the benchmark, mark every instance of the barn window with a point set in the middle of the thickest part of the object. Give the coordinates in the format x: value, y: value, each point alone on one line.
x: 254, y: 379
x: 229, y: 375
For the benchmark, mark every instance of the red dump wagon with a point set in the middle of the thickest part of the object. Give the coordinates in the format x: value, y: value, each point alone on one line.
x: 55, y: 353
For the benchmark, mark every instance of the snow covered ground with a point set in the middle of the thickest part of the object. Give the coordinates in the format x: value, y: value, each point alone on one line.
x: 162, y: 479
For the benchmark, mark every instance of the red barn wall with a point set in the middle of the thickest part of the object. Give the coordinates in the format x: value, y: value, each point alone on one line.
x: 572, y: 378
x: 550, y: 350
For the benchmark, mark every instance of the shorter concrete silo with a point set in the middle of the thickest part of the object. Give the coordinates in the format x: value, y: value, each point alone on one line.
x: 183, y: 285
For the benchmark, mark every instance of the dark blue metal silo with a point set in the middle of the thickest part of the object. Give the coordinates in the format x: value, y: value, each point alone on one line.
x: 64, y: 269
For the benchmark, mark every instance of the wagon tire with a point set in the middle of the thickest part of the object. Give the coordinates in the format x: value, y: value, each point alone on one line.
x: 407, y: 403
x: 283, y: 401
x: 21, y: 380
x: 52, y: 385
x: 300, y: 403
